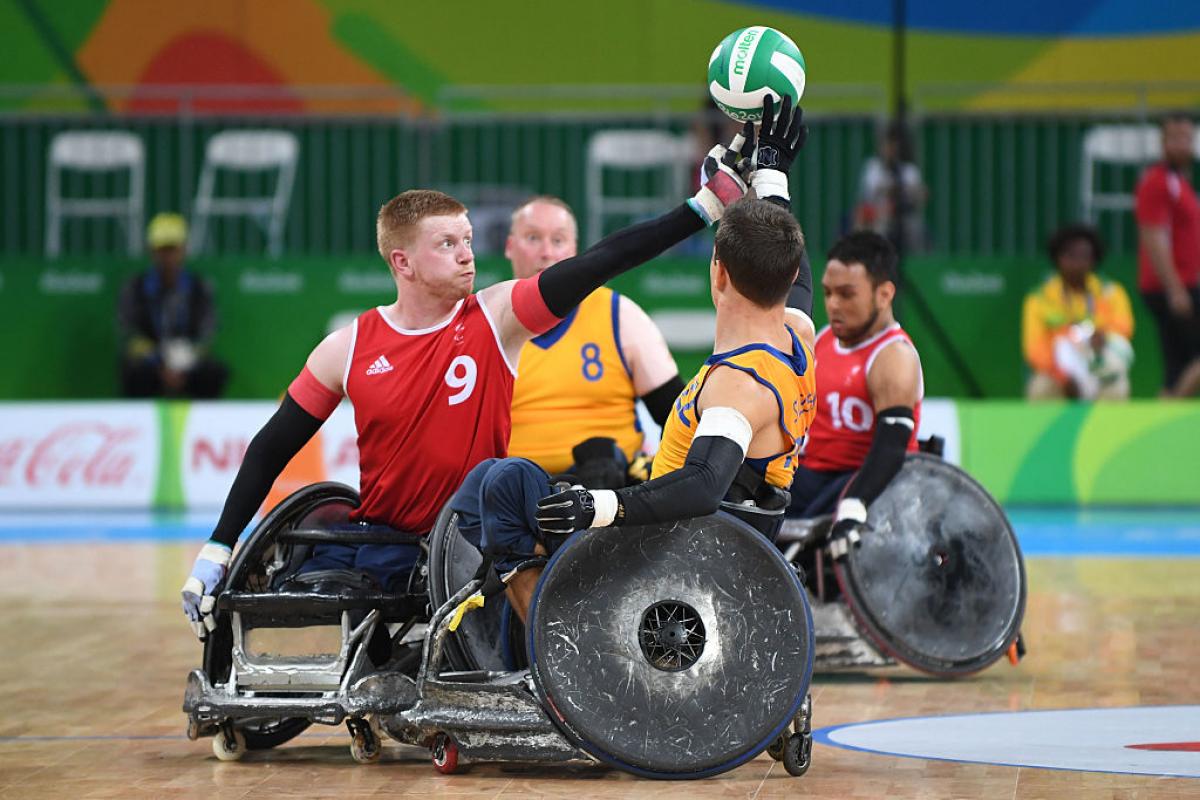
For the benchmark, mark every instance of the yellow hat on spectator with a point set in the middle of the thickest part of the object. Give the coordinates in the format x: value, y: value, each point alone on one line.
x: 166, y: 230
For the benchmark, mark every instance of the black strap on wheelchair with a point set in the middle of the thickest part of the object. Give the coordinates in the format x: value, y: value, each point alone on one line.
x: 754, y: 501
x: 361, y: 533
x: 492, y: 585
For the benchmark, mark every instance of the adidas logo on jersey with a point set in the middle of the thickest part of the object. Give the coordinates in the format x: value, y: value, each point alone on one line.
x: 380, y: 366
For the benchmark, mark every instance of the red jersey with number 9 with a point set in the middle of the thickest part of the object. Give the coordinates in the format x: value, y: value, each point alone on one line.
x: 429, y: 405
x: 841, y: 433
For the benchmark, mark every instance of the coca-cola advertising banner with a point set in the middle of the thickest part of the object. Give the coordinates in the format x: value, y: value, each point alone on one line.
x: 79, y: 455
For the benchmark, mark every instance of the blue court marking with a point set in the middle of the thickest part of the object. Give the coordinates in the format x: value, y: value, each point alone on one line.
x: 1154, y: 532
x: 823, y: 736
x: 45, y: 527
x: 1044, y: 532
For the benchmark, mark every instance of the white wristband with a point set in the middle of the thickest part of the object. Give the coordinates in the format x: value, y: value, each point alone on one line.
x: 851, y: 508
x: 605, y: 501
x: 770, y: 183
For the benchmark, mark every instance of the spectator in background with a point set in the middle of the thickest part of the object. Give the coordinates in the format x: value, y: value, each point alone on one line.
x: 1168, y: 218
x: 167, y: 320
x: 880, y: 207
x: 1076, y: 327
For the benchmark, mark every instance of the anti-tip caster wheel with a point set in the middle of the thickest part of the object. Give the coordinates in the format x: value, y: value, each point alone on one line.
x: 229, y: 744
x: 797, y: 754
x: 444, y: 754
x: 364, y: 745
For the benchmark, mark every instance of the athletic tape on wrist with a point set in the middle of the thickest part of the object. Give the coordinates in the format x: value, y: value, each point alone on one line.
x: 851, y: 508
x: 606, y: 507
x: 216, y: 553
x: 770, y: 183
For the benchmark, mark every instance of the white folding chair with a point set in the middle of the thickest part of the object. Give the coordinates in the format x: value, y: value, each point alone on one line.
x: 1114, y: 145
x: 95, y: 152
x: 634, y: 150
x: 246, y: 151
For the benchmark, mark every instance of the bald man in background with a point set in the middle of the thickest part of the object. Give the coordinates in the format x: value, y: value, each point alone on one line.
x: 574, y: 405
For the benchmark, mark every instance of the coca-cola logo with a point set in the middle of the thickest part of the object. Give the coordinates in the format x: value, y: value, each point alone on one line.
x: 74, y: 455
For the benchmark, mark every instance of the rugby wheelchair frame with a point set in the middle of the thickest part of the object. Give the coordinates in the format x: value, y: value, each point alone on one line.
x: 676, y: 657
x: 253, y: 701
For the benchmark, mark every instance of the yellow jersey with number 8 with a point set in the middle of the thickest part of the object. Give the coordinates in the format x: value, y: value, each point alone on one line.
x: 573, y: 384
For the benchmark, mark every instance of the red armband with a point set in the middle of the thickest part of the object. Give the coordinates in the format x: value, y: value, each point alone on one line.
x: 313, y: 396
x: 530, y: 307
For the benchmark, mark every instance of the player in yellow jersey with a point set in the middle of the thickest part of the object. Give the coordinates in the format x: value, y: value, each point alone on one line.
x: 733, y: 437
x: 581, y: 379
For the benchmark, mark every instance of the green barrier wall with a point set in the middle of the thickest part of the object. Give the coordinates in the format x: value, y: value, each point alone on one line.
x: 1138, y: 453
x: 59, y: 336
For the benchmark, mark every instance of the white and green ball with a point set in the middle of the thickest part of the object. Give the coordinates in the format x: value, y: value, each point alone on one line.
x: 751, y: 63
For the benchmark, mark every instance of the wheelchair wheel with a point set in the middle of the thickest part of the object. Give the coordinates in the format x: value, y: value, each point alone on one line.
x: 686, y: 660
x: 252, y: 569
x: 957, y: 604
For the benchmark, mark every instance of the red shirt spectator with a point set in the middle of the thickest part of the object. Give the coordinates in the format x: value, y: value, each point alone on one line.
x: 1165, y: 199
x: 1168, y: 219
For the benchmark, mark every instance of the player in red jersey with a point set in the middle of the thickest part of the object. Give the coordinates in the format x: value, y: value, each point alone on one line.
x: 431, y: 375
x: 869, y: 389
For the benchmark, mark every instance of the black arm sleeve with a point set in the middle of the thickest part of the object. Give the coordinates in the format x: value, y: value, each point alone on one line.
x: 800, y: 296
x: 693, y: 490
x: 269, y: 452
x: 567, y: 283
x: 886, y: 455
x: 660, y: 401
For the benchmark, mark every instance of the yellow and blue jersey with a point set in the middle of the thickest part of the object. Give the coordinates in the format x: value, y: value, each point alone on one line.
x: 573, y: 384
x: 791, y: 377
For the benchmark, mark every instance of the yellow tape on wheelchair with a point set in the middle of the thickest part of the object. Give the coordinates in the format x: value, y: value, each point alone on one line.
x: 474, y: 601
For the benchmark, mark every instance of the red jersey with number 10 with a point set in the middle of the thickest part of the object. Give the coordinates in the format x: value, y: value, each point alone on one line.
x: 428, y: 406
x: 841, y: 433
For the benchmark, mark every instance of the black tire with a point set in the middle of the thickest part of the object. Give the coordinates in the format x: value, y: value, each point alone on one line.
x: 268, y: 733
x: 777, y: 746
x: 797, y: 754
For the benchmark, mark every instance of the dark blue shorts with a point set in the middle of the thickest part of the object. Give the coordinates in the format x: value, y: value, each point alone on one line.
x: 497, y: 509
x: 815, y: 493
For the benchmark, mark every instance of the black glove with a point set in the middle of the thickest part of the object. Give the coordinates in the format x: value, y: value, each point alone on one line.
x: 779, y: 142
x: 564, y: 513
x: 845, y: 535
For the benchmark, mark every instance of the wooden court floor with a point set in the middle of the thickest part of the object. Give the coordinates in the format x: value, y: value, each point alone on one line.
x: 95, y: 651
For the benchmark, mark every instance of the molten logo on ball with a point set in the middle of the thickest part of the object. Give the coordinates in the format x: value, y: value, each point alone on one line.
x: 750, y: 64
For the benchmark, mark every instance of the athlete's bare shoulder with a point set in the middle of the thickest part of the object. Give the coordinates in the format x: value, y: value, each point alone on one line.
x: 327, y: 361
x: 645, y: 348
x: 894, y: 377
